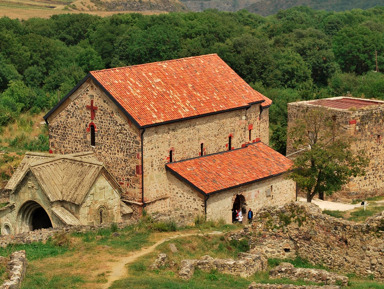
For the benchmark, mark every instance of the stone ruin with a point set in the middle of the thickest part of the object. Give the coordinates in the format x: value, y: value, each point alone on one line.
x: 289, y: 286
x: 287, y: 270
x: 16, y: 267
x: 301, y: 230
x: 245, y: 266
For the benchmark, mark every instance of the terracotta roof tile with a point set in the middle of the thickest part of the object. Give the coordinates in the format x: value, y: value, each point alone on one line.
x: 170, y: 90
x: 345, y: 102
x: 230, y: 169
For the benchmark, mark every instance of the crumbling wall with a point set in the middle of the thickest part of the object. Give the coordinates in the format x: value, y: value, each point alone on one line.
x: 300, y: 229
x: 17, y: 267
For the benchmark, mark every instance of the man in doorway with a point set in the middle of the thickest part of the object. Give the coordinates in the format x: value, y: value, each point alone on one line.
x: 250, y: 216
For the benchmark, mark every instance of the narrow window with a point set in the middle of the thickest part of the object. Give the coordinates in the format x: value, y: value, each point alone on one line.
x: 378, y: 139
x: 101, y: 216
x: 201, y: 149
x: 229, y: 142
x: 250, y: 134
x: 170, y: 156
x: 93, y: 138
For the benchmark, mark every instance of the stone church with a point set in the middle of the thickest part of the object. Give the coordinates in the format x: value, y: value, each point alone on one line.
x: 183, y: 138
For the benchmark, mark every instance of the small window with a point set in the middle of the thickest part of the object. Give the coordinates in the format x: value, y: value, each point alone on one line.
x: 268, y: 192
x: 229, y: 142
x: 250, y: 134
x: 378, y: 139
x: 93, y: 137
x: 170, y: 156
x: 201, y: 149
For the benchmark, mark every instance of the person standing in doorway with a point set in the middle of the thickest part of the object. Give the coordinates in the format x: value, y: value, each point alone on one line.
x: 250, y: 216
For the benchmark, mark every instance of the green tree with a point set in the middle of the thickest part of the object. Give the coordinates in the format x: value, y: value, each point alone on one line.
x: 326, y: 161
x: 355, y: 47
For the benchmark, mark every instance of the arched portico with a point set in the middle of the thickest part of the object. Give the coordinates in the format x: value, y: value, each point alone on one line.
x: 32, y: 216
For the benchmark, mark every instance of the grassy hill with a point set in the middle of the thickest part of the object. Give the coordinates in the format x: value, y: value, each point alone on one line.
x: 25, y: 9
x: 268, y: 7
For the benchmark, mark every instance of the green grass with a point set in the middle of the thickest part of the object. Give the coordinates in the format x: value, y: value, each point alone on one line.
x: 39, y: 280
x: 128, y: 238
x: 361, y: 215
x: 297, y: 262
x: 36, y: 250
x: 336, y: 214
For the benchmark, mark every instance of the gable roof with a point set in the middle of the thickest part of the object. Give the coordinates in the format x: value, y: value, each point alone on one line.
x: 222, y: 171
x: 168, y: 91
x: 61, y: 177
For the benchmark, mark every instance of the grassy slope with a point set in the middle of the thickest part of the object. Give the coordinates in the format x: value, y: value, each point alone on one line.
x: 28, y: 133
x: 25, y: 9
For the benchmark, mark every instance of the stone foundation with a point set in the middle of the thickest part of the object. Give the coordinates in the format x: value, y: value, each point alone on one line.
x: 287, y: 270
x: 245, y: 266
x: 17, y: 267
x: 288, y: 286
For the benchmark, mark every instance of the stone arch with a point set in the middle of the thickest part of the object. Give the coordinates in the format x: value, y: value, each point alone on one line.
x: 6, y: 229
x: 32, y: 216
x: 102, y: 215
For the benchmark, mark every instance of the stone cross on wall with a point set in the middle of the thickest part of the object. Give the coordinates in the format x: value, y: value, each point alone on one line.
x: 92, y: 109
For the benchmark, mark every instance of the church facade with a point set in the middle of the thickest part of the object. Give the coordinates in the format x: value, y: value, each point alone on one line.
x: 183, y: 138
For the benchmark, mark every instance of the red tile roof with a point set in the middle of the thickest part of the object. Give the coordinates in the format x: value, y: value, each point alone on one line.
x: 171, y: 90
x: 345, y: 102
x: 230, y: 169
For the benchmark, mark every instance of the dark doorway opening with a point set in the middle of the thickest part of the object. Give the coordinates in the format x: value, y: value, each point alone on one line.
x: 238, y: 204
x: 40, y: 219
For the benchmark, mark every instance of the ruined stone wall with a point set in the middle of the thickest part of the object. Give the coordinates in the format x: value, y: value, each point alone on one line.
x: 338, y: 244
x: 365, y: 127
x: 184, y: 138
x: 103, y: 199
x: 117, y: 139
x: 273, y: 191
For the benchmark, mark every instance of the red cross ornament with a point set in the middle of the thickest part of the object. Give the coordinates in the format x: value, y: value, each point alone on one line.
x: 92, y: 109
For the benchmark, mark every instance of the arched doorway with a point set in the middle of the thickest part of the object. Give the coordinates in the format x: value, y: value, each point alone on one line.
x: 238, y: 204
x: 32, y: 217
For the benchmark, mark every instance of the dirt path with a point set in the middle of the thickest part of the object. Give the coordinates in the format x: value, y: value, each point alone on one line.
x: 118, y: 268
x: 332, y: 206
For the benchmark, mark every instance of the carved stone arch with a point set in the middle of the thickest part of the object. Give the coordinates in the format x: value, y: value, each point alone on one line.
x: 32, y: 216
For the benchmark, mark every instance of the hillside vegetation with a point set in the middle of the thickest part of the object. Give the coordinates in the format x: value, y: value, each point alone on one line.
x: 269, y: 7
x: 296, y: 54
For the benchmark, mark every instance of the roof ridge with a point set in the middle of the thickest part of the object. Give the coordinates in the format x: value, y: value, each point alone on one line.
x: 156, y: 62
x: 65, y: 157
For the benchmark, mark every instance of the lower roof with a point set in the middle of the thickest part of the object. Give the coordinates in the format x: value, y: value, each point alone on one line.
x: 230, y: 169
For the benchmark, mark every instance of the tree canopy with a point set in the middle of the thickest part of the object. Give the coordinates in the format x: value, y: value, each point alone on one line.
x: 296, y: 54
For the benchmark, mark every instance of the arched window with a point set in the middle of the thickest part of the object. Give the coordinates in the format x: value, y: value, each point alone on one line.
x: 230, y: 142
x: 202, y: 149
x: 93, y: 137
x: 171, y: 156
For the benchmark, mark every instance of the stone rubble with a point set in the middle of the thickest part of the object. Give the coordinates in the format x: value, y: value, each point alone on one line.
x: 245, y: 266
x: 287, y: 270
x: 160, y: 261
x: 288, y: 286
x: 17, y: 267
x: 301, y: 230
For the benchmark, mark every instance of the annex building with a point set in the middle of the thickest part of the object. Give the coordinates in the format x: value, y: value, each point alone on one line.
x: 363, y: 121
x: 182, y: 138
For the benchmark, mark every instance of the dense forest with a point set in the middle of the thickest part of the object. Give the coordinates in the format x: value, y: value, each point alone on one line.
x: 296, y: 54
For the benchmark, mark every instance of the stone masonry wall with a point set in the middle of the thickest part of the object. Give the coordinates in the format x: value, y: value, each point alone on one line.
x: 366, y: 127
x: 274, y: 191
x: 338, y: 244
x: 102, y: 197
x: 184, y: 138
x: 117, y: 139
